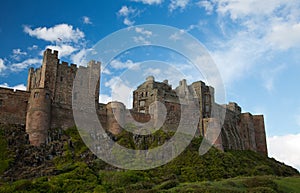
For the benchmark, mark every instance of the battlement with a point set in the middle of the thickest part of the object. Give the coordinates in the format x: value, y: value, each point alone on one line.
x: 234, y: 107
x: 51, y: 53
x: 47, y: 104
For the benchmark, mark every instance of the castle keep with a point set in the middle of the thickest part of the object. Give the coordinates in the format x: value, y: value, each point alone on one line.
x: 47, y: 104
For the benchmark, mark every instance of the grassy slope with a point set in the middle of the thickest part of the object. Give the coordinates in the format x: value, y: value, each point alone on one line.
x: 232, y: 171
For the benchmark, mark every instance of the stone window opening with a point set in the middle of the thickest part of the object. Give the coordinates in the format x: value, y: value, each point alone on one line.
x: 142, y: 103
x: 61, y: 79
x: 36, y: 95
x: 47, y: 96
x: 1, y: 102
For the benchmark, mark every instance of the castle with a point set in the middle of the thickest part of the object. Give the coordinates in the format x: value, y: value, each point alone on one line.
x: 47, y: 104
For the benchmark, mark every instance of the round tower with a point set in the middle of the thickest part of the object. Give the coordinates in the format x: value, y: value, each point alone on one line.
x: 115, y: 117
x: 38, y: 116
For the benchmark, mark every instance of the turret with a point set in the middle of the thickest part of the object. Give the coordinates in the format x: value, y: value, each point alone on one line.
x: 115, y: 117
x: 38, y: 117
x: 260, y: 134
x: 49, y: 70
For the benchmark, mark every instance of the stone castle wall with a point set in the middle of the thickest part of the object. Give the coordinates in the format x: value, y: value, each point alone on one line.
x: 13, y: 106
x: 47, y: 104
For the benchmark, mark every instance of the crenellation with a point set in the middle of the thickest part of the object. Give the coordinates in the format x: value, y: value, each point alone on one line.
x: 47, y: 104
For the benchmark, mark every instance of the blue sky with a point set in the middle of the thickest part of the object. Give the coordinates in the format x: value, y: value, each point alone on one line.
x: 254, y: 43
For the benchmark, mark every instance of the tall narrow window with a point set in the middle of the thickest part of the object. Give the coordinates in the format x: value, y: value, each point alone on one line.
x: 47, y: 95
x: 1, y: 102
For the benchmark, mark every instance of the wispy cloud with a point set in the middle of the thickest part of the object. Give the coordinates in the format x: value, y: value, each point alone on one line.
x: 149, y: 2
x: 178, y: 4
x: 117, y: 64
x: 86, y: 20
x: 276, y: 23
x: 252, y: 31
x: 2, y: 65
x: 60, y: 32
x: 33, y: 47
x: 63, y: 50
x: 16, y: 67
x: 128, y: 13
x: 142, y: 31
x: 17, y: 87
x: 128, y: 22
x: 207, y: 5
x: 18, y: 54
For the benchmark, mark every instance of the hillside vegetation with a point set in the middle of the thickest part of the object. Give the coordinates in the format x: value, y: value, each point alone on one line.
x: 66, y: 165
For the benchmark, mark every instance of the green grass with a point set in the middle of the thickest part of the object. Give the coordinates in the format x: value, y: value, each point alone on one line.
x: 289, y: 184
x: 83, y: 180
x: 216, y: 171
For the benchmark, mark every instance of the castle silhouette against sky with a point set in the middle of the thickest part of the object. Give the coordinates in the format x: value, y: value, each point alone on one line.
x: 47, y: 104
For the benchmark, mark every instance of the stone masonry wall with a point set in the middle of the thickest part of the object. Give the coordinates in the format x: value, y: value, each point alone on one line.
x: 13, y: 106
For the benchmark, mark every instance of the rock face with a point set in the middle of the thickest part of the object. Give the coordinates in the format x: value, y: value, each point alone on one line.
x: 47, y: 104
x: 35, y: 161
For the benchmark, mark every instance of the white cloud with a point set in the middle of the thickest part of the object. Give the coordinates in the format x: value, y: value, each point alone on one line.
x: 284, y: 36
x: 18, y: 52
x: 275, y: 22
x: 117, y: 64
x: 78, y: 58
x: 152, y: 71
x: 177, y: 35
x: 17, y: 87
x: 141, y: 40
x: 241, y: 8
x: 103, y: 98
x: 128, y: 22
x: 237, y: 56
x: 178, y: 4
x: 86, y: 20
x: 60, y: 32
x: 2, y: 65
x: 120, y: 91
x: 286, y: 149
x: 260, y: 29
x: 126, y: 11
x: 149, y: 2
x: 105, y: 71
x: 142, y: 31
x: 207, y: 5
x: 16, y: 67
x: 63, y: 50
x: 33, y: 47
